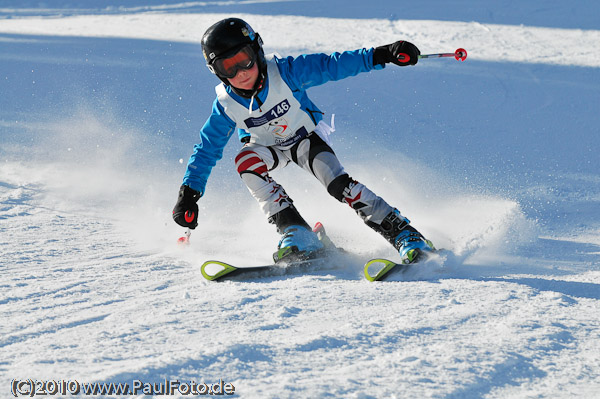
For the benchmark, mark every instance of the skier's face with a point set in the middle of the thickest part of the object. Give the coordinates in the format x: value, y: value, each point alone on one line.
x: 245, y: 79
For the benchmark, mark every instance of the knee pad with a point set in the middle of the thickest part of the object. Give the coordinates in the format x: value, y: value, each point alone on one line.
x: 338, y: 185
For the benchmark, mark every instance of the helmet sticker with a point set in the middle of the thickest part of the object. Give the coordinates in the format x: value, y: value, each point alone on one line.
x: 247, y: 31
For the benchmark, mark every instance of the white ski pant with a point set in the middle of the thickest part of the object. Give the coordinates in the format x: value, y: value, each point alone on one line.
x: 255, y: 162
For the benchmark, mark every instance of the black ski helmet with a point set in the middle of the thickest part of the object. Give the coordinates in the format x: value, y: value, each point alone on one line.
x: 227, y: 37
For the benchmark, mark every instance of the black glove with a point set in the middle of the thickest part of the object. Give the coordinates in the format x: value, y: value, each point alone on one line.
x: 400, y: 53
x: 185, y: 212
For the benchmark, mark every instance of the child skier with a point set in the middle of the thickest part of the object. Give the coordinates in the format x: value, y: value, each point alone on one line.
x: 265, y: 98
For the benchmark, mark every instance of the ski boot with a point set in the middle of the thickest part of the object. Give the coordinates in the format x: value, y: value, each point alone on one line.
x: 411, y: 244
x: 297, y: 243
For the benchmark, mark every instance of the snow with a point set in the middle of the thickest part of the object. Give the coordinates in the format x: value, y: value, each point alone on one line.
x: 494, y: 158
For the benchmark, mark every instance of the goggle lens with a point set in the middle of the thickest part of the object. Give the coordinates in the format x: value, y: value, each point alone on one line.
x: 229, y: 67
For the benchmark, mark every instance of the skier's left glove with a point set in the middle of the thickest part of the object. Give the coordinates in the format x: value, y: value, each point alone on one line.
x: 185, y: 212
x: 400, y: 53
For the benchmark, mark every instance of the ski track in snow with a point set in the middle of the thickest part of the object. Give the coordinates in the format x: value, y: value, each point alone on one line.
x: 94, y: 287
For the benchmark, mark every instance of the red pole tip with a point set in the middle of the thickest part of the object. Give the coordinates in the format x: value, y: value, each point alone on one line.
x: 460, y: 54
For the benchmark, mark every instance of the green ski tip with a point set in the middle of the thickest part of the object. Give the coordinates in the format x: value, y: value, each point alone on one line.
x: 382, y: 267
x: 213, y: 269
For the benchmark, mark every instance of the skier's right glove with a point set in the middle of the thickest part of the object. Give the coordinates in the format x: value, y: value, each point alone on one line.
x: 400, y: 53
x: 185, y: 212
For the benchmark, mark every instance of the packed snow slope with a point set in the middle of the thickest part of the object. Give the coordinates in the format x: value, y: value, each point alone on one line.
x: 495, y: 158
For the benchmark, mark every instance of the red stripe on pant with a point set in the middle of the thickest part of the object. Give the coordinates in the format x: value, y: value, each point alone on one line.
x: 249, y: 161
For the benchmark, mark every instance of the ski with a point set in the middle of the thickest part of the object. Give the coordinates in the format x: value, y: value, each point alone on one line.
x: 283, y: 261
x: 216, y: 270
x: 379, y: 268
x: 382, y: 268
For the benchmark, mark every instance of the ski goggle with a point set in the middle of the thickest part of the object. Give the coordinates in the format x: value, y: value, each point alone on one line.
x: 229, y: 67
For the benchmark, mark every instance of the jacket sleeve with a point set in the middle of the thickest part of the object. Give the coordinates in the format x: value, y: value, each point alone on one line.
x: 310, y: 70
x: 214, y: 135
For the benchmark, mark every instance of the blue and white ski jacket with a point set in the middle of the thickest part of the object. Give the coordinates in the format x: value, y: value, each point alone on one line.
x: 298, y: 74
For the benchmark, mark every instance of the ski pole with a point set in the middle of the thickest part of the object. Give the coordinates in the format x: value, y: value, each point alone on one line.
x: 186, y: 238
x: 459, y: 54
